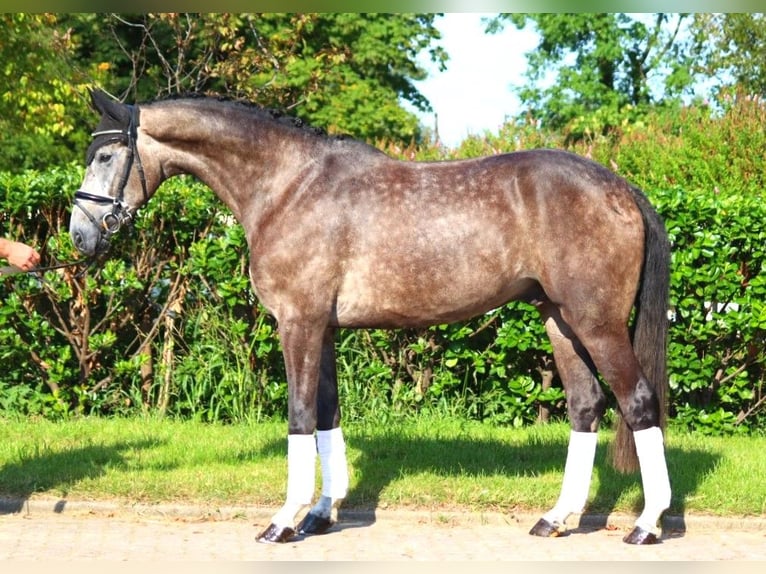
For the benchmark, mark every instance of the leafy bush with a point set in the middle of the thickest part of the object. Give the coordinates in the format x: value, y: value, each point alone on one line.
x: 168, y: 321
x: 717, y: 340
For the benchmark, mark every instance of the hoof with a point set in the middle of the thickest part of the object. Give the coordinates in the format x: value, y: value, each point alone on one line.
x: 314, y: 524
x: 640, y: 536
x: 275, y: 534
x: 546, y: 529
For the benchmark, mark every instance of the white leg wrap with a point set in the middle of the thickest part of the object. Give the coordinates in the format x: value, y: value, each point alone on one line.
x: 654, y: 476
x: 332, y: 455
x: 301, y: 473
x: 577, y: 476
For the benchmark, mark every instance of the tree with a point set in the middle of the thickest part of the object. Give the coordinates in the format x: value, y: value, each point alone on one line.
x: 591, y: 70
x: 345, y: 72
x: 39, y: 104
x: 733, y: 49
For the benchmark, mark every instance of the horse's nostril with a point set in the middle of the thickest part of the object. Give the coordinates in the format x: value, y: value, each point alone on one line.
x: 77, y: 238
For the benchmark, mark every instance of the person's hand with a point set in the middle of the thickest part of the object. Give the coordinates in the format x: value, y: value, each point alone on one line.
x: 22, y: 256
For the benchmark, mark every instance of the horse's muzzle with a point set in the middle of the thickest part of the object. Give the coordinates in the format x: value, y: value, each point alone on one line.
x: 88, y: 246
x: 87, y: 238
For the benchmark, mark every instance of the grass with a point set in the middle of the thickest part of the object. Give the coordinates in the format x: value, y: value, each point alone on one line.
x: 427, y: 464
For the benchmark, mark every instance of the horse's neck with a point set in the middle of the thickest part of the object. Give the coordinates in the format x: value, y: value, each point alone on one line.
x: 241, y: 162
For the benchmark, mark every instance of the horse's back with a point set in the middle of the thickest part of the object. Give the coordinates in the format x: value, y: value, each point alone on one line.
x: 435, y: 242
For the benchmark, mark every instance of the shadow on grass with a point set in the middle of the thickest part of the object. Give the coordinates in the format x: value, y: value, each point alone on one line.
x: 383, y: 460
x: 41, y: 472
x: 378, y: 461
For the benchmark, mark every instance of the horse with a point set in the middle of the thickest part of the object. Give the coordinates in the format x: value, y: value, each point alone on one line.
x: 342, y: 235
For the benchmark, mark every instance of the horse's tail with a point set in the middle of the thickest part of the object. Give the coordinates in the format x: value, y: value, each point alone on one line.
x: 650, y: 327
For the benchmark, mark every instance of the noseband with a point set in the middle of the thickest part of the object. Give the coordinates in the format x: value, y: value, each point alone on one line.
x: 121, y: 213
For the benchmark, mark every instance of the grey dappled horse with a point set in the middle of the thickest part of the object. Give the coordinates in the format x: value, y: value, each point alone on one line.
x: 343, y: 236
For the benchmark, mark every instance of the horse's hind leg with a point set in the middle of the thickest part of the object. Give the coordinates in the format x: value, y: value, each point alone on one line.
x: 330, y: 446
x: 585, y: 405
x: 613, y: 355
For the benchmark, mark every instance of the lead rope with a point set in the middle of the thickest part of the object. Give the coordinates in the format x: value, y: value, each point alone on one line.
x: 13, y: 270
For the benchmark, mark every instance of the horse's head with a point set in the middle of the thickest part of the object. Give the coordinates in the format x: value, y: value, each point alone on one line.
x: 114, y: 186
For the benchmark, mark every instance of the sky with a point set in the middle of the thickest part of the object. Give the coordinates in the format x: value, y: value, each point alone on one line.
x: 474, y: 94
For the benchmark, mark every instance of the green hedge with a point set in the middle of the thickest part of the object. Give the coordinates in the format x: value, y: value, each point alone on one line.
x: 168, y: 323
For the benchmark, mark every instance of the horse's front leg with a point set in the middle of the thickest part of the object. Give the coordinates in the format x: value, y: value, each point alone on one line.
x: 302, y: 350
x: 330, y: 445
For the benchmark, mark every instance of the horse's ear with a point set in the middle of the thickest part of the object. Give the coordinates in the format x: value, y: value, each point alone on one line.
x: 106, y: 106
x: 98, y: 100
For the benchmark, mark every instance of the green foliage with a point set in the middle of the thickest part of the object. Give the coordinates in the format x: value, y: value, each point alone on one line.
x: 708, y: 186
x: 227, y: 369
x: 593, y: 73
x: 363, y: 66
x: 40, y: 110
x: 485, y: 369
x: 734, y: 45
x: 719, y: 333
x: 345, y: 72
x: 601, y: 65
x: 168, y: 323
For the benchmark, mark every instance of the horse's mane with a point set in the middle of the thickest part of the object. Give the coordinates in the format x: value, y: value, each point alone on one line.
x: 279, y: 116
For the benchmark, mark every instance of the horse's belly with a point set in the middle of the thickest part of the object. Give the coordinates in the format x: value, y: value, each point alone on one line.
x: 421, y: 303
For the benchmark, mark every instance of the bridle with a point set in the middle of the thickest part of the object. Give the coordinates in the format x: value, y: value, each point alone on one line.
x: 121, y: 213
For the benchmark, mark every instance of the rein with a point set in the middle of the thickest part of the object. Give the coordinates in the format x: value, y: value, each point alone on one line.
x: 13, y: 270
x: 121, y: 213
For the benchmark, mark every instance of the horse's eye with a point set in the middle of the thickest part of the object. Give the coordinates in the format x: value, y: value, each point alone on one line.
x: 104, y: 157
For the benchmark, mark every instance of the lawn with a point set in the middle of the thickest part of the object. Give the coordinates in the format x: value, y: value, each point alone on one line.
x: 427, y: 463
